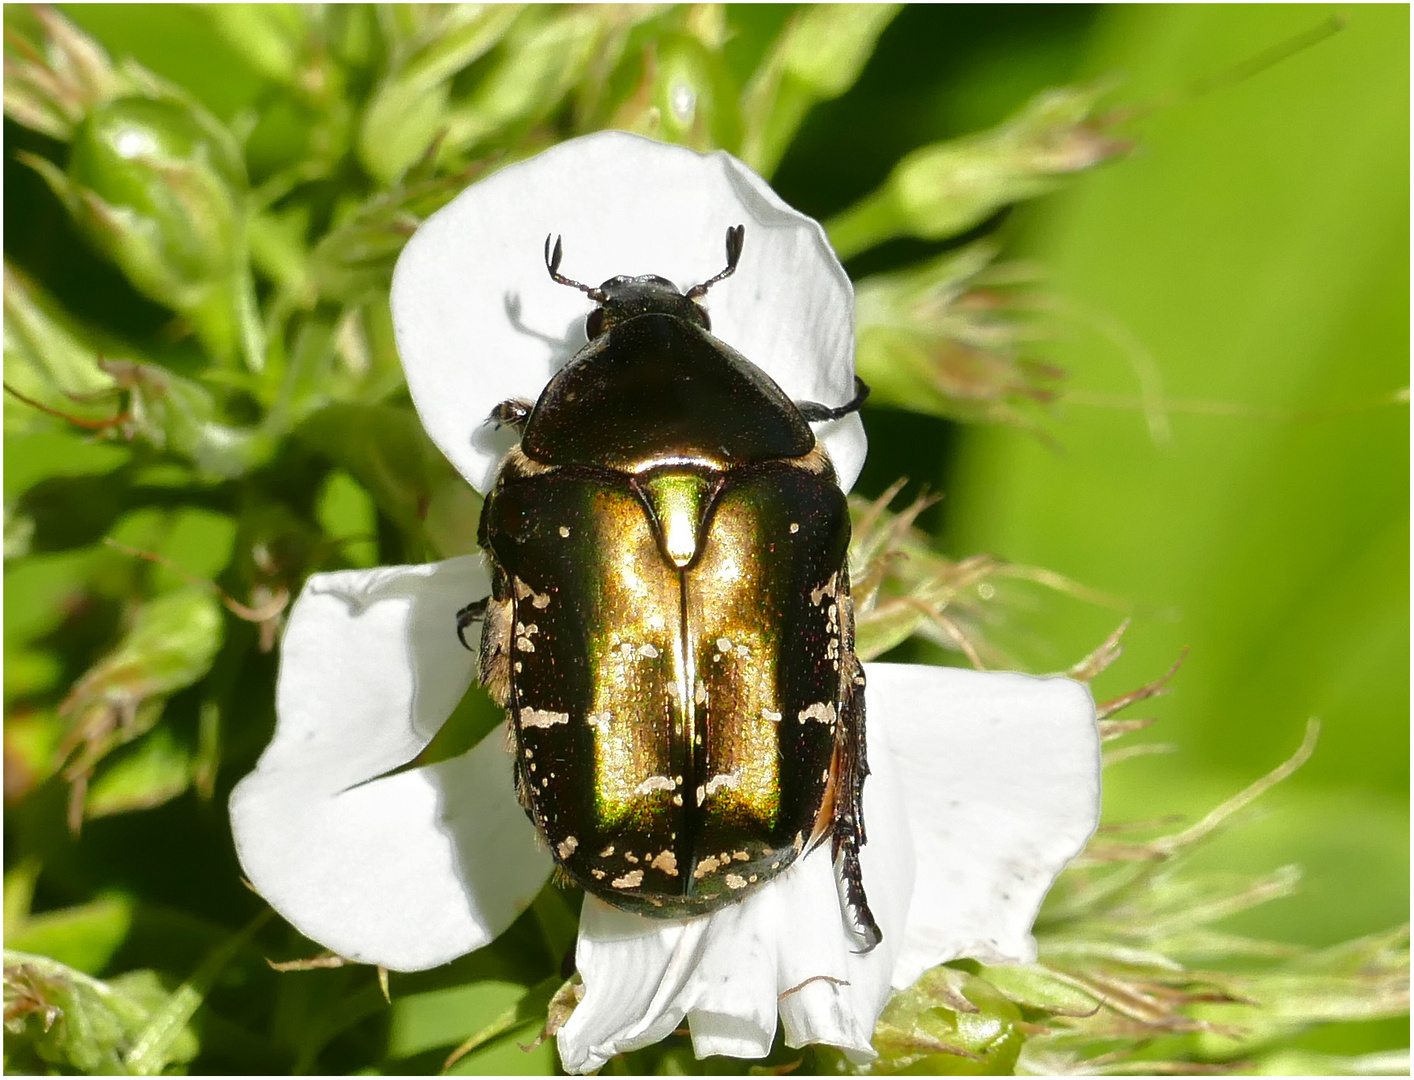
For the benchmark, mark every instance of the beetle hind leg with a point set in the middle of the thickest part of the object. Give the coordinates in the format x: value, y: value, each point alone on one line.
x: 853, y: 903
x: 849, y: 835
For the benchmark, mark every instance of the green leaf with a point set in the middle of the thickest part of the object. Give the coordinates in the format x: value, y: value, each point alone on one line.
x: 1035, y: 987
x: 818, y: 56
x: 409, y: 108
x: 540, y: 62
x: 387, y: 451
x: 84, y: 937
x: 147, y: 773
x: 165, y: 1036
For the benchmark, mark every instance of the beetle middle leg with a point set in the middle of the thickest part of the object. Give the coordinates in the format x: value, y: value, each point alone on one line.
x: 474, y: 612
x: 814, y: 412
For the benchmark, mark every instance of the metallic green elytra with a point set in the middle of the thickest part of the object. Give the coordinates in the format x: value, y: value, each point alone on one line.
x: 670, y: 628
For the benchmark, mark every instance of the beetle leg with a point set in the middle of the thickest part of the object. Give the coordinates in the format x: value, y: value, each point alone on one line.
x: 512, y: 413
x: 849, y: 814
x: 814, y: 412
x: 473, y: 612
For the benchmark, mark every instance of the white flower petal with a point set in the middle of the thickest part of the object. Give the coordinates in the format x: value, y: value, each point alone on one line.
x: 392, y: 871
x: 726, y: 972
x: 1000, y: 774
x: 479, y: 321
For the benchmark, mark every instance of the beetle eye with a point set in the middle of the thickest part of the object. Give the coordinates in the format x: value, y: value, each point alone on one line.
x: 594, y: 325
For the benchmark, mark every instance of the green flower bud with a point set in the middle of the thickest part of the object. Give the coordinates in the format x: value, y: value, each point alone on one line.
x: 949, y: 337
x: 179, y: 176
x: 59, y: 1016
x: 949, y: 1023
x: 159, y: 186
x: 171, y: 645
x: 685, y: 97
x: 946, y: 188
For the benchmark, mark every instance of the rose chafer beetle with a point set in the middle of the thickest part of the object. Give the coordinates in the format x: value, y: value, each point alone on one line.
x: 670, y: 627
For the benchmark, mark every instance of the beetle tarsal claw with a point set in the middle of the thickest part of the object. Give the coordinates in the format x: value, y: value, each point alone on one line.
x: 473, y: 612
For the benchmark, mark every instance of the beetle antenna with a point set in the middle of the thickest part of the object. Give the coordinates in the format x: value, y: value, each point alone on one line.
x: 552, y: 264
x: 735, y: 235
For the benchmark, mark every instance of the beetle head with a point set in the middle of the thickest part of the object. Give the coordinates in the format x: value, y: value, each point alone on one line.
x: 623, y: 298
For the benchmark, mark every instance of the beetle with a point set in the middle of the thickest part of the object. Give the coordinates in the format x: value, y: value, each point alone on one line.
x: 670, y: 626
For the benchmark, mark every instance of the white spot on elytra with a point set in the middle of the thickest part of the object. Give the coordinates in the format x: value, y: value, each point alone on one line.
x: 736, y: 881
x: 821, y: 711
x: 632, y: 880
x: 599, y: 720
x: 542, y: 718
x: 565, y: 531
x: 567, y: 845
x: 774, y: 717
x: 648, y: 650
x: 655, y: 783
x: 794, y: 527
x: 667, y: 862
x: 539, y: 601
x: 723, y: 781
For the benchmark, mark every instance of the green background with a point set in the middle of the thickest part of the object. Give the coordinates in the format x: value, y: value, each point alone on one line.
x: 1253, y: 253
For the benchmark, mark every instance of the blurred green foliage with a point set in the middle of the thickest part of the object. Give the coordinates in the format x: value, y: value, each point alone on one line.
x: 1233, y: 437
x: 1184, y: 406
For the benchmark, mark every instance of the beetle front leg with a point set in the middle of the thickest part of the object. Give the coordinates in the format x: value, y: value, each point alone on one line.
x: 474, y: 612
x: 513, y: 412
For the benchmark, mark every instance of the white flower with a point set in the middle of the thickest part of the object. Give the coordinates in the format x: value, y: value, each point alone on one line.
x: 983, y: 785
